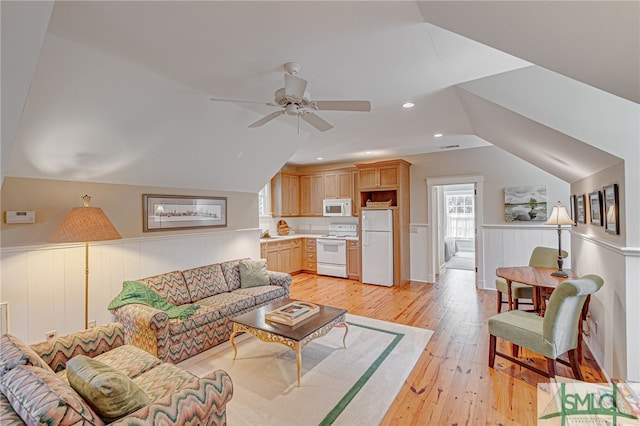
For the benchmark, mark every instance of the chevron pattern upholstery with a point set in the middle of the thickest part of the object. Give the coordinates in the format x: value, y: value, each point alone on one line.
x: 36, y: 395
x: 216, y: 289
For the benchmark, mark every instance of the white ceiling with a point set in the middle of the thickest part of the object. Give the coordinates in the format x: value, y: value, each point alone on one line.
x: 121, y: 90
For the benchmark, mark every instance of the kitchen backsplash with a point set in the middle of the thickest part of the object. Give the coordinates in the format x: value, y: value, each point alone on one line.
x: 304, y: 225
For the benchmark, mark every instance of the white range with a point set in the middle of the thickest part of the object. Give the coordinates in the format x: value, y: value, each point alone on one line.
x: 332, y: 249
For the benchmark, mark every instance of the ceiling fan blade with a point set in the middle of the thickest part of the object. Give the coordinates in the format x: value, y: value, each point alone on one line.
x: 243, y: 102
x: 294, y: 87
x: 316, y: 121
x: 267, y: 118
x: 364, y: 106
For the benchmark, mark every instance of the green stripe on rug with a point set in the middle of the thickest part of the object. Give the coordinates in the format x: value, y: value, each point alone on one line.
x: 351, y: 393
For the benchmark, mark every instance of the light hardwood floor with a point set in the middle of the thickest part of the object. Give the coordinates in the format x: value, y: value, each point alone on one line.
x: 451, y: 383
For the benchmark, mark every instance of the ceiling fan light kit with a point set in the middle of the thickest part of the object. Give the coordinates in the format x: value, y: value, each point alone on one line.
x: 293, y: 99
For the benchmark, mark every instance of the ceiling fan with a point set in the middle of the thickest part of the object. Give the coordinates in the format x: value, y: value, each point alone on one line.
x: 293, y: 99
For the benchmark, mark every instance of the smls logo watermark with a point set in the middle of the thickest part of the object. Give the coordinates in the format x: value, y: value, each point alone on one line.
x: 579, y: 403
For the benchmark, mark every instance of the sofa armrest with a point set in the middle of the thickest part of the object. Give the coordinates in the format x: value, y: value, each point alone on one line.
x: 144, y: 327
x: 91, y: 342
x: 281, y: 279
x: 202, y: 403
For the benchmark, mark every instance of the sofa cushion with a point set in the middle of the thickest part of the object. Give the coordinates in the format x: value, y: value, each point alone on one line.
x: 165, y: 380
x: 204, y: 315
x: 129, y: 360
x: 41, y: 397
x: 253, y: 273
x: 8, y: 415
x: 231, y: 271
x: 110, y: 393
x: 263, y: 294
x: 170, y: 286
x: 14, y: 352
x: 229, y: 304
x: 205, y: 281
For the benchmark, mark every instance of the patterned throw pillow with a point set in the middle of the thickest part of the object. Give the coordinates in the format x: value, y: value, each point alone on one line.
x: 39, y: 396
x: 14, y: 352
x: 110, y: 393
x: 253, y: 273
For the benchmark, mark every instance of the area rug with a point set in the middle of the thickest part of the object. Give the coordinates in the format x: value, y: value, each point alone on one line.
x: 352, y: 386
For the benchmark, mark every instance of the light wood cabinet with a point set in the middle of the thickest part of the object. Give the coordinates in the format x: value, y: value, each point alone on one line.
x: 311, y: 195
x: 309, y: 262
x: 338, y: 184
x: 353, y: 260
x: 382, y: 182
x: 283, y: 256
x: 285, y: 194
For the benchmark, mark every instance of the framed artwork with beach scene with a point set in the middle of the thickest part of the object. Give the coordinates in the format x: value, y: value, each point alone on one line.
x: 168, y: 212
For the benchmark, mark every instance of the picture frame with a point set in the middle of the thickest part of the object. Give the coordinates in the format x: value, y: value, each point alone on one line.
x: 170, y: 212
x: 581, y: 216
x: 611, y: 209
x: 595, y: 205
x: 573, y: 207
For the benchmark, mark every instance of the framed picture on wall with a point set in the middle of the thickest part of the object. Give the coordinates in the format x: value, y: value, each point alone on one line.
x: 168, y: 212
x: 581, y: 217
x: 611, y: 215
x: 595, y: 203
x: 574, y: 209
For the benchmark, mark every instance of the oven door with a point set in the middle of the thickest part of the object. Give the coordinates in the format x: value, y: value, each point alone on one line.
x: 331, y: 255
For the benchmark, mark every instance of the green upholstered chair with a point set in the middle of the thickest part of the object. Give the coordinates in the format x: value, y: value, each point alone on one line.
x: 552, y: 335
x: 543, y: 257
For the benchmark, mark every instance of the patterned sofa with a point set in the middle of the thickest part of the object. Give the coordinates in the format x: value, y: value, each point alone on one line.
x: 35, y: 389
x: 216, y: 289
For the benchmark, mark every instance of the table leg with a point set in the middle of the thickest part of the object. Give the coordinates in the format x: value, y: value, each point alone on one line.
x: 298, y: 359
x: 232, y: 340
x: 344, y: 338
x: 509, y: 297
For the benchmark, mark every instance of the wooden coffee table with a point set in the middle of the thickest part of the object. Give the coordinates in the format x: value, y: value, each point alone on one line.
x: 294, y: 337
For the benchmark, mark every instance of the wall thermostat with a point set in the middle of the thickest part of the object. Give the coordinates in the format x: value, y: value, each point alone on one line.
x: 24, y: 216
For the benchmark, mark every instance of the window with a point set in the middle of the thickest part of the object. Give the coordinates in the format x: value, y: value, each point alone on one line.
x: 264, y: 201
x: 460, y: 217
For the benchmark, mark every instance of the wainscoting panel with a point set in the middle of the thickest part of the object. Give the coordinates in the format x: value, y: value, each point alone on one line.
x: 44, y: 285
x: 419, y: 246
x: 510, y: 245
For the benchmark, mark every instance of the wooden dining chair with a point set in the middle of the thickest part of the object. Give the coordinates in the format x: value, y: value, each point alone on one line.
x: 552, y: 335
x: 543, y: 257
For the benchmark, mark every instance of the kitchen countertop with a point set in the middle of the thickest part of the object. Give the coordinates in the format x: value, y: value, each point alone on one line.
x: 294, y: 236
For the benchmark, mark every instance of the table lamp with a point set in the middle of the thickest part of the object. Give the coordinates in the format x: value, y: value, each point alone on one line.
x: 85, y: 224
x: 559, y: 216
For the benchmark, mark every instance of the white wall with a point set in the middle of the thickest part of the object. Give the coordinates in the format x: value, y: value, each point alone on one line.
x: 44, y: 285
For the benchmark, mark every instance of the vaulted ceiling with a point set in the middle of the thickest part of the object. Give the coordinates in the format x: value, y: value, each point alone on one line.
x: 120, y: 92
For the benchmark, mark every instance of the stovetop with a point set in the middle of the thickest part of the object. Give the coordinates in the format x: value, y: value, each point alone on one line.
x: 341, y: 231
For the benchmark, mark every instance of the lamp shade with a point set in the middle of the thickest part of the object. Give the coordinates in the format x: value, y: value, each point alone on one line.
x: 559, y: 216
x: 85, y: 224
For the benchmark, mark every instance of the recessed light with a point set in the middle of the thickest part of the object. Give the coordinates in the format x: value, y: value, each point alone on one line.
x: 437, y: 135
x: 408, y: 105
x: 368, y: 152
x: 320, y: 158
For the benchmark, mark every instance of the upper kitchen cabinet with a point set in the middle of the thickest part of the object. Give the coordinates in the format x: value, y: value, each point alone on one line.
x: 338, y: 184
x: 380, y: 175
x: 285, y: 194
x: 312, y: 188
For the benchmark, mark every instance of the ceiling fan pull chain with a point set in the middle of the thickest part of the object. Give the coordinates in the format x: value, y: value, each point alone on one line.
x: 298, y: 123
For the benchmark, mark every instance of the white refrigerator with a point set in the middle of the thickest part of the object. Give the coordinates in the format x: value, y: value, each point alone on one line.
x: 377, y: 247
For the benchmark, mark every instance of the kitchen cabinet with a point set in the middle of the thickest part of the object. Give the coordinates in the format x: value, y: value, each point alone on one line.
x: 285, y: 194
x: 353, y: 260
x: 338, y: 184
x: 283, y: 256
x: 380, y: 177
x: 309, y: 262
x: 311, y: 194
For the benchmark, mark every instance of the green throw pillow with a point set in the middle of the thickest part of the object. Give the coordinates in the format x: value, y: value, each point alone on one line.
x: 253, y: 273
x: 110, y: 393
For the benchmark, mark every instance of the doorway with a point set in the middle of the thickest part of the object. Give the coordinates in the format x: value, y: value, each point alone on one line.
x: 458, y: 233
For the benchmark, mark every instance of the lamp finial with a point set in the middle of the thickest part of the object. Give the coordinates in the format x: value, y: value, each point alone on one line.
x: 86, y: 200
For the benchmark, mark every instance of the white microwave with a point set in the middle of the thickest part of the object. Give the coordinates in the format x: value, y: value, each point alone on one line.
x: 336, y: 207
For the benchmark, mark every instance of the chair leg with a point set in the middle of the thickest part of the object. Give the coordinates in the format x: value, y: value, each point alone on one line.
x: 492, y: 350
x: 499, y: 305
x: 515, y: 350
x: 575, y: 364
x: 551, y: 367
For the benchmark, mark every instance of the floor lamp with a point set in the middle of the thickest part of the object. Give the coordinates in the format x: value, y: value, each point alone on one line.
x: 559, y: 216
x: 85, y: 224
